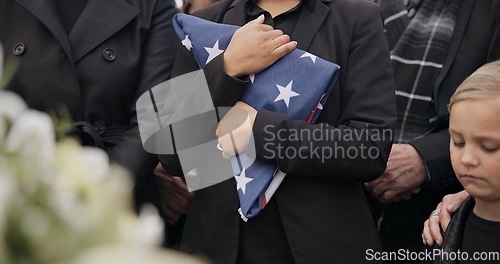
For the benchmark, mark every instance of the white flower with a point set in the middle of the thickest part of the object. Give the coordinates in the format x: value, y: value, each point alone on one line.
x: 6, y: 192
x: 150, y: 227
x: 65, y: 201
x: 6, y: 196
x: 76, y: 187
x: 3, y: 129
x: 35, y: 223
x: 129, y: 254
x: 11, y: 105
x: 32, y: 135
x: 97, y: 162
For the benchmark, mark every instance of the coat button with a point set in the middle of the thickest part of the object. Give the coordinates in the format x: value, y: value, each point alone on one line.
x: 19, y: 49
x: 99, y: 127
x: 108, y: 54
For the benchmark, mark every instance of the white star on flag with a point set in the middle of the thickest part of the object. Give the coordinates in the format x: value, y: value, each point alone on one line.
x: 213, y: 52
x: 242, y: 181
x: 309, y: 55
x: 252, y: 77
x: 286, y: 93
x: 187, y: 43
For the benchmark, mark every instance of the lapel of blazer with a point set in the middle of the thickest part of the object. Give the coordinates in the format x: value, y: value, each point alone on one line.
x: 99, y: 20
x: 458, y: 33
x: 309, y: 23
x: 306, y: 28
x: 46, y: 11
x: 236, y: 13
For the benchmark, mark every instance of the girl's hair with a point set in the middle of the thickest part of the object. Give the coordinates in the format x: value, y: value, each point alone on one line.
x: 484, y: 83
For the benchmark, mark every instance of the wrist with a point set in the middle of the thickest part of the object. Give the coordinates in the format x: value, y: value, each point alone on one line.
x: 230, y: 68
x: 421, y: 166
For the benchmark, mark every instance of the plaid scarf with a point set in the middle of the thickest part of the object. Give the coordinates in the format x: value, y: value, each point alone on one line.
x: 419, y: 35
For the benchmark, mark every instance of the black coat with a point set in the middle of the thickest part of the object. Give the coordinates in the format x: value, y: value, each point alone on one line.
x: 453, y: 237
x: 116, y: 50
x: 322, y: 206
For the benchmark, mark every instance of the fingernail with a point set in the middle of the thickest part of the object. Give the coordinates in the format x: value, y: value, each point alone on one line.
x: 450, y: 207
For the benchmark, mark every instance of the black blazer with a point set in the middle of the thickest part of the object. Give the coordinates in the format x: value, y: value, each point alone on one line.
x: 322, y: 206
x: 116, y: 50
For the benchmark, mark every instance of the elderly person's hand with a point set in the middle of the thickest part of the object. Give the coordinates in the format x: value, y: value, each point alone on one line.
x: 404, y: 175
x: 440, y: 218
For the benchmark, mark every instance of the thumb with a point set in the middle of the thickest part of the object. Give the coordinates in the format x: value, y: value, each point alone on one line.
x: 258, y: 20
x: 451, y: 208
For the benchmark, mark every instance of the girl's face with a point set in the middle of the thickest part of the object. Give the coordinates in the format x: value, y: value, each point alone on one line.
x: 475, y: 146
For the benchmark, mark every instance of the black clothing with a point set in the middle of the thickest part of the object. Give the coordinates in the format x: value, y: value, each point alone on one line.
x: 321, y: 205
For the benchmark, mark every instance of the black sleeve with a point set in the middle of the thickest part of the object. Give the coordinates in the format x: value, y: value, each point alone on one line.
x: 157, y: 61
x: 434, y: 151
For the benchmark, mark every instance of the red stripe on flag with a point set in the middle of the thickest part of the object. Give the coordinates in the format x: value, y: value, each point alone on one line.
x: 264, y: 202
x: 309, y: 119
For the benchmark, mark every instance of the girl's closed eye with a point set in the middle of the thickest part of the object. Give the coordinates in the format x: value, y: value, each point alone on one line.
x: 456, y: 139
x: 490, y: 148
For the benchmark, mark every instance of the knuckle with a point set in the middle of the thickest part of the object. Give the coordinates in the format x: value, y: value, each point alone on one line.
x: 261, y: 26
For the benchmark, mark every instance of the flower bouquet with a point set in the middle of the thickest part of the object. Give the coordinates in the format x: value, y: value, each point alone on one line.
x: 63, y: 203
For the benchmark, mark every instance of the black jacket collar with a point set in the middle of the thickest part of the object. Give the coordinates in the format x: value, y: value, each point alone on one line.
x: 308, y: 24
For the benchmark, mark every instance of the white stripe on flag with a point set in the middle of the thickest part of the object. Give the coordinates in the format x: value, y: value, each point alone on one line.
x: 414, y: 96
x: 416, y: 62
x: 273, y: 186
x: 395, y: 16
x: 242, y: 215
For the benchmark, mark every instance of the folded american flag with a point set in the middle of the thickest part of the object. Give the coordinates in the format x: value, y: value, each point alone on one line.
x: 296, y: 85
